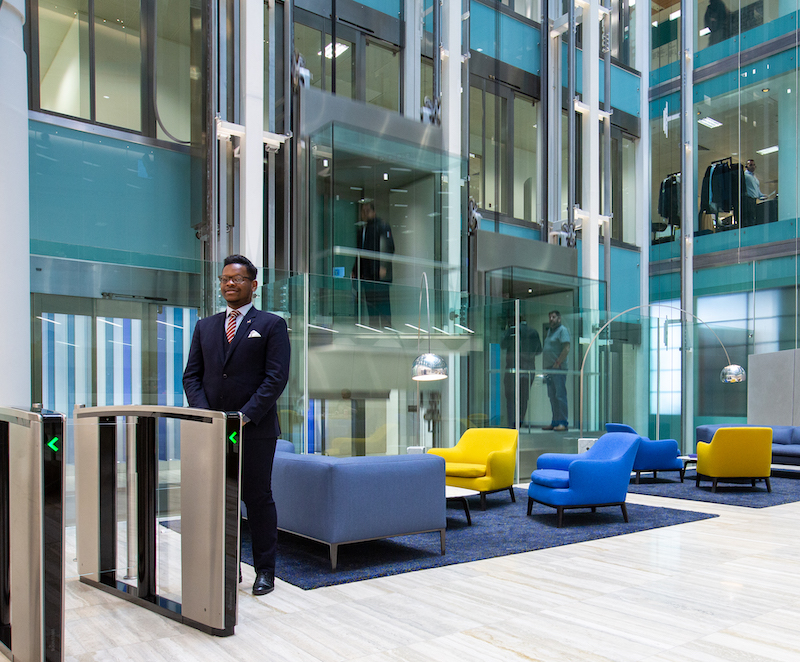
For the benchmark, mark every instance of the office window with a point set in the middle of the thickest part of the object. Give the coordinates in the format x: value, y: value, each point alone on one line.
x: 118, y: 63
x: 525, y: 150
x: 383, y: 75
x: 115, y: 63
x: 64, y: 57
x: 344, y: 64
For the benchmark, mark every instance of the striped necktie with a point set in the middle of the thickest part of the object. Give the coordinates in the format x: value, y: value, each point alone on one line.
x: 230, y: 331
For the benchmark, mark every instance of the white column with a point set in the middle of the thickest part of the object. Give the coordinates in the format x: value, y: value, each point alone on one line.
x: 451, y: 205
x: 412, y: 58
x: 251, y: 158
x: 590, y: 257
x: 451, y: 129
x: 15, y: 313
x: 644, y: 195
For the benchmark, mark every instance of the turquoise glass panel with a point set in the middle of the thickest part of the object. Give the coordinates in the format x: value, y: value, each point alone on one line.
x: 518, y: 41
x: 97, y: 198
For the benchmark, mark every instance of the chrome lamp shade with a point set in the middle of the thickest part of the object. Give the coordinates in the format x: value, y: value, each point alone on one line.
x: 429, y: 368
x: 732, y: 374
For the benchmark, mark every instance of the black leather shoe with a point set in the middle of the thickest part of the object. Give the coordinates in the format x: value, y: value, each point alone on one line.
x: 265, y: 582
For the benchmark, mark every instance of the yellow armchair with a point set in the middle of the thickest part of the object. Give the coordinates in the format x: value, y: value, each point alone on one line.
x: 735, y: 453
x: 483, y: 460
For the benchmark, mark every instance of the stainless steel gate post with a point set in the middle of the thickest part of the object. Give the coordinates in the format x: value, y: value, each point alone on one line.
x: 209, y: 519
x: 32, y: 535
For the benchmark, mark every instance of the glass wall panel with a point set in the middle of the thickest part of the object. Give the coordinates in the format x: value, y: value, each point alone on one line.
x: 525, y: 153
x: 665, y: 40
x: 665, y: 211
x: 64, y: 57
x: 174, y: 73
x: 118, y: 63
x: 383, y: 76
x: 401, y: 183
x: 308, y: 42
x: 345, y: 66
x: 496, y: 152
x: 476, y: 160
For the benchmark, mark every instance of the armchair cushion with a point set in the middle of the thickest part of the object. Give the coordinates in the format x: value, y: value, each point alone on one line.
x: 465, y: 470
x: 552, y: 478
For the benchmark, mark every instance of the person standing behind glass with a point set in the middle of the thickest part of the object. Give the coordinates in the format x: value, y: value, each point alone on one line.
x: 375, y: 235
x: 752, y: 193
x: 555, y: 359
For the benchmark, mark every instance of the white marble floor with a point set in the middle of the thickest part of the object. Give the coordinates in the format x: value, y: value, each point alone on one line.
x: 721, y: 589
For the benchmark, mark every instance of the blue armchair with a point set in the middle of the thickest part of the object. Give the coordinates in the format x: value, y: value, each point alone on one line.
x: 599, y: 477
x: 655, y: 456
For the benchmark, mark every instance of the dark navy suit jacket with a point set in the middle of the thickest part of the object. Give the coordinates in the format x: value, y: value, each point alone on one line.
x: 248, y: 375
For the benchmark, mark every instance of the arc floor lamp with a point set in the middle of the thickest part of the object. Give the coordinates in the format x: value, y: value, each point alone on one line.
x: 730, y: 374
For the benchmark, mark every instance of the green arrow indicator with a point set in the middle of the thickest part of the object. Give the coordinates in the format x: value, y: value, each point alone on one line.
x: 52, y: 443
x: 232, y: 437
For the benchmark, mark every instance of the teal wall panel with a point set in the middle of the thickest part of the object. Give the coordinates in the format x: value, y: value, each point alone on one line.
x: 107, y: 200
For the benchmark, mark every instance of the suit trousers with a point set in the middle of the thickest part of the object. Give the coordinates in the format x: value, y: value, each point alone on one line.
x: 257, y: 458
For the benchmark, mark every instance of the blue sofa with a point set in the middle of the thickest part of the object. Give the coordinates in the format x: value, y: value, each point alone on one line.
x: 339, y: 500
x: 785, y: 440
x: 653, y: 455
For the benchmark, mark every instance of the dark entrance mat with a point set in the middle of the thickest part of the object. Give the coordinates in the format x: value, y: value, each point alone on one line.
x: 784, y: 490
x: 502, y: 529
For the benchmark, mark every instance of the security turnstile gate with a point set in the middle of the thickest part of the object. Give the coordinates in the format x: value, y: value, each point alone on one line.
x: 209, y: 516
x: 31, y: 535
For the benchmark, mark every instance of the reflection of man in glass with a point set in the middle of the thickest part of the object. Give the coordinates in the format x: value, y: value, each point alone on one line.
x: 529, y: 346
x: 718, y: 21
x: 752, y: 193
x: 555, y: 359
x: 374, y: 235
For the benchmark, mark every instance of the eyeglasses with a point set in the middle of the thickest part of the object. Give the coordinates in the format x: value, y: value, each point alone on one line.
x: 236, y: 280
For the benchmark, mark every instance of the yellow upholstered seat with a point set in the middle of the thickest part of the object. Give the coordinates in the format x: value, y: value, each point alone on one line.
x: 483, y: 460
x: 736, y: 453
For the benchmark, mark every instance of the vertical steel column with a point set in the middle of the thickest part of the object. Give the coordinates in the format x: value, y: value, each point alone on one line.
x: 107, y: 498
x: 571, y: 127
x: 5, y: 539
x: 688, y: 214
x: 147, y: 480
x: 544, y: 121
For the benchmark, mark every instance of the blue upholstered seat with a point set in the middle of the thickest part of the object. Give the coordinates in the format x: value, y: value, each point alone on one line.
x: 598, y: 477
x: 653, y: 455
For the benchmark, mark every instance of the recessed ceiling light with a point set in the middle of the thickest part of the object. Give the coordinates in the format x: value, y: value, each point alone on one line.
x: 765, y: 89
x: 767, y: 150
x: 675, y: 15
x: 710, y: 122
x: 704, y: 32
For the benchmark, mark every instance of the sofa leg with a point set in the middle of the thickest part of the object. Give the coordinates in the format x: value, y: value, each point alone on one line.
x: 530, y: 506
x: 714, y: 485
x: 511, y: 492
x: 624, y: 512
x: 638, y: 475
x: 769, y: 487
x: 334, y: 555
x: 483, y: 500
x: 441, y: 539
x: 655, y: 475
x: 560, y: 511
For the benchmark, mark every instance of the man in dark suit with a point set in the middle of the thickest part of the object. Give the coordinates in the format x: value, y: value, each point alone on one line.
x: 239, y: 361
